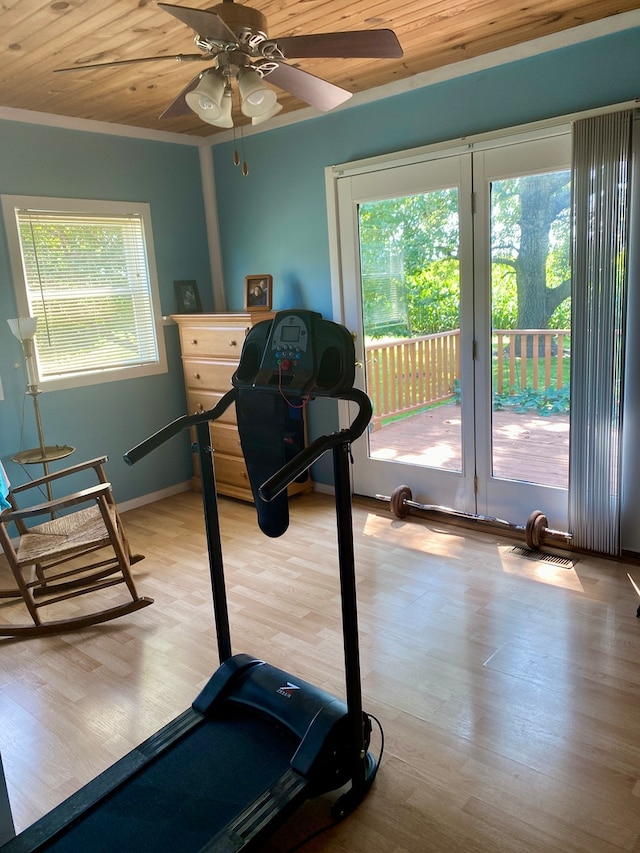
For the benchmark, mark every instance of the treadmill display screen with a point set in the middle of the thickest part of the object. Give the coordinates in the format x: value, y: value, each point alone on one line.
x: 290, y: 334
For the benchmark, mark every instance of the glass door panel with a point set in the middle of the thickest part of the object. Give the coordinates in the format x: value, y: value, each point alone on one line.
x: 410, y: 279
x: 531, y: 334
x: 523, y: 327
x: 405, y: 241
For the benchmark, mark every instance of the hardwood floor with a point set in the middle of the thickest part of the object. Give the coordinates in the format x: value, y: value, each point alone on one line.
x: 509, y: 689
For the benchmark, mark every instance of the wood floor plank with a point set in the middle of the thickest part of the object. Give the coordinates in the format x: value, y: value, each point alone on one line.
x: 508, y: 689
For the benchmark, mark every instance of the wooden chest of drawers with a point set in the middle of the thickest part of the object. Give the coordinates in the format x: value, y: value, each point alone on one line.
x: 211, y: 345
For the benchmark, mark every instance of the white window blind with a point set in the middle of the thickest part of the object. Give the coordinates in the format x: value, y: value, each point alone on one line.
x: 87, y: 281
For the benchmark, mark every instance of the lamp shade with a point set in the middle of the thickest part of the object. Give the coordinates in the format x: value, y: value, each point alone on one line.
x: 206, y: 99
x: 24, y: 328
x: 275, y: 109
x: 224, y: 119
x: 257, y: 96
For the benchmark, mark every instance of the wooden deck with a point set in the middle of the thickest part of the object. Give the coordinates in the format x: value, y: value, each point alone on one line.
x: 526, y: 447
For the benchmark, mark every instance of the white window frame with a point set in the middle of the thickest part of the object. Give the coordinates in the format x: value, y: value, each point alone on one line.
x: 12, y: 203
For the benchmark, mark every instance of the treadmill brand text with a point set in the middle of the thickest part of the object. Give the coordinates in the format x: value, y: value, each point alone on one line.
x: 287, y: 691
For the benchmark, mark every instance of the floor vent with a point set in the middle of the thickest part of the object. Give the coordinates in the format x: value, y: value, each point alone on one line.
x: 540, y: 556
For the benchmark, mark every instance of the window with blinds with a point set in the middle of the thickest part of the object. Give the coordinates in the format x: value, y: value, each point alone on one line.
x: 86, y: 273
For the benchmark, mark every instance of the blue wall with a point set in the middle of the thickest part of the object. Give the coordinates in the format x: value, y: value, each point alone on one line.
x: 275, y: 221
x: 111, y: 417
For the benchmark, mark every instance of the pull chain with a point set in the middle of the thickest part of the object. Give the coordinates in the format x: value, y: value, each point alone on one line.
x: 245, y: 168
x: 236, y: 153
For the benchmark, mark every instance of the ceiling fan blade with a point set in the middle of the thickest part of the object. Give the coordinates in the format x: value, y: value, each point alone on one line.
x: 375, y: 44
x: 206, y: 24
x: 180, y: 57
x: 315, y: 91
x: 178, y: 106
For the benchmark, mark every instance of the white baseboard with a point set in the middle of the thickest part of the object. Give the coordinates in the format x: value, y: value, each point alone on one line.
x: 323, y: 488
x: 143, y: 500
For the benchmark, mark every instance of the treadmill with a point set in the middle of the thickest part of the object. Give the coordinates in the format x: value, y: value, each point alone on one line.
x: 257, y: 741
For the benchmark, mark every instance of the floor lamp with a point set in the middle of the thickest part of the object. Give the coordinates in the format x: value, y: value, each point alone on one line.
x: 24, y: 329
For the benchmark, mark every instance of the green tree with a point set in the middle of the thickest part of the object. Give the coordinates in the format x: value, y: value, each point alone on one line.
x: 409, y: 263
x: 410, y: 257
x: 530, y: 236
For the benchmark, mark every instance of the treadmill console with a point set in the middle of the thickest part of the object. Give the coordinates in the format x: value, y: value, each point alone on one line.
x: 290, y: 344
x: 298, y: 353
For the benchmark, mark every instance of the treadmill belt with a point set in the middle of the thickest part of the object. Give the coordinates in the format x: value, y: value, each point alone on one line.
x: 187, y: 794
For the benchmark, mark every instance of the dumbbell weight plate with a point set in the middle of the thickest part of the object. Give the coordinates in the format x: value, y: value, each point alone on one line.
x: 399, y: 497
x: 536, y: 529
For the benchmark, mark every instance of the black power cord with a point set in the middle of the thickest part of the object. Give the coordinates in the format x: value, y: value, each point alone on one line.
x: 341, y: 812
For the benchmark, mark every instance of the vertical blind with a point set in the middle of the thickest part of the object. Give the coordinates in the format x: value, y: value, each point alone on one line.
x: 601, y: 184
x: 87, y: 282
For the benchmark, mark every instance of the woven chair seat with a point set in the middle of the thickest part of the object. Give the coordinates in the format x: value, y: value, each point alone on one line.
x: 63, y: 536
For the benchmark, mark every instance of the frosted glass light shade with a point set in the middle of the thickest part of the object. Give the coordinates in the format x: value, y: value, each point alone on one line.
x: 257, y: 97
x: 206, y: 99
x: 225, y: 119
x: 272, y: 112
x: 24, y: 328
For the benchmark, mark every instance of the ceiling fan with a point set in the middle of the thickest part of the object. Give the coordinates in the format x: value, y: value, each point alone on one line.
x: 234, y: 38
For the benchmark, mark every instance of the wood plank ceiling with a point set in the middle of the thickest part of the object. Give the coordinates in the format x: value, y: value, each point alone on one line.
x: 38, y: 36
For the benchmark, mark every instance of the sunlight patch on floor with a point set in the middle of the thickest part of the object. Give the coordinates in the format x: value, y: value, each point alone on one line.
x: 439, y: 542
x: 566, y: 578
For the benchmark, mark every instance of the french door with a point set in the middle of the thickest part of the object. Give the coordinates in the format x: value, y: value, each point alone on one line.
x: 453, y: 273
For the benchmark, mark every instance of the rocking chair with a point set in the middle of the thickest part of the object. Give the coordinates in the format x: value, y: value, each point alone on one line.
x: 66, y: 539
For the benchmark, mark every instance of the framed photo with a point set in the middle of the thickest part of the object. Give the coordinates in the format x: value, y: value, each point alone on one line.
x: 187, y: 297
x: 258, y: 292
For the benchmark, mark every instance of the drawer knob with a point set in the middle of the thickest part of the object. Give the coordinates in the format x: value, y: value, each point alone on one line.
x: 194, y: 341
x: 200, y: 408
x: 196, y: 376
x: 233, y: 343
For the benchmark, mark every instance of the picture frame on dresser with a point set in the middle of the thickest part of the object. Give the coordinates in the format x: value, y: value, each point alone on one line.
x: 187, y: 297
x: 258, y: 292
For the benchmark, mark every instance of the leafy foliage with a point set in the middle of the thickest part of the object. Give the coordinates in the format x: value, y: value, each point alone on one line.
x: 552, y: 401
x: 410, y: 258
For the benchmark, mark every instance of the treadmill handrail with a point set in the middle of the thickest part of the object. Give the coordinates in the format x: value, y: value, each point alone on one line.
x: 310, y: 454
x: 184, y: 422
x: 289, y: 472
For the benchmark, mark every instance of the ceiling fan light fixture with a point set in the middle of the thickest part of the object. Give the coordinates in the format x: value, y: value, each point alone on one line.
x: 257, y: 98
x: 224, y: 119
x: 234, y: 37
x: 206, y: 100
x: 272, y: 112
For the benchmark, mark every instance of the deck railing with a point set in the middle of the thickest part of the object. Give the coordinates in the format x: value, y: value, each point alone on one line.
x: 407, y: 374
x: 534, y: 358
